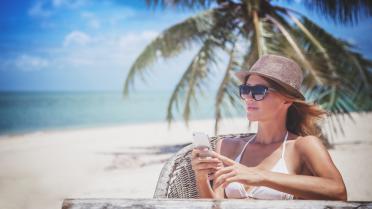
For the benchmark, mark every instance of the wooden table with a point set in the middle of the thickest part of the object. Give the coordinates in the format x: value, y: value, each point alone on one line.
x: 210, y: 204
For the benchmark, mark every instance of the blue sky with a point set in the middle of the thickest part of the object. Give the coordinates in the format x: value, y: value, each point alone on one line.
x: 82, y: 45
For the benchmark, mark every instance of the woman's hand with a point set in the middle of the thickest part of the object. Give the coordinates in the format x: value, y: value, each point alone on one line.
x: 203, y: 165
x: 236, y: 172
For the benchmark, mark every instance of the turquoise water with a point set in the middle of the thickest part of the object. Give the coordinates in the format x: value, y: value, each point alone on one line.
x: 22, y: 112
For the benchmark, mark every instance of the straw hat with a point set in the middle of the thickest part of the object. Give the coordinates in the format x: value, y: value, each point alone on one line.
x: 284, y: 71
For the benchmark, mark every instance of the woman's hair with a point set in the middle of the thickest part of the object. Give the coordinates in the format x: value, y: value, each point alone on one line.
x: 302, y: 117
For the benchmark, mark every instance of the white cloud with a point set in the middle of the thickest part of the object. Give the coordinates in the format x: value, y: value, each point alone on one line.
x: 77, y: 38
x: 91, y: 19
x: 69, y: 3
x: 46, y: 8
x: 57, y: 3
x: 119, y: 16
x: 30, y: 63
x: 101, y: 52
x: 110, y: 55
x: 352, y: 40
x: 137, y: 39
x: 39, y: 10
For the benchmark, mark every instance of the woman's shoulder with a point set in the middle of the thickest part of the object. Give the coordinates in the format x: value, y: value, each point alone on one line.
x: 309, y: 144
x: 303, y: 141
x: 316, y: 157
x: 228, y: 144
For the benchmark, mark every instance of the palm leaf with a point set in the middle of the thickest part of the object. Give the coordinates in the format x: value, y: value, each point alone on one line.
x: 314, y: 40
x: 341, y: 11
x: 315, y: 75
x: 227, y: 88
x: 196, y: 73
x: 192, y: 76
x: 189, y: 4
x: 171, y: 42
x: 202, y: 66
x: 350, y: 67
x: 346, y: 94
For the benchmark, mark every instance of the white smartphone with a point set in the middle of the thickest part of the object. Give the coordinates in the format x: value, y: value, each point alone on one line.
x: 201, y: 140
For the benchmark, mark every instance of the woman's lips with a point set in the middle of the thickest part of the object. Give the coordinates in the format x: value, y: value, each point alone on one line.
x: 252, y: 108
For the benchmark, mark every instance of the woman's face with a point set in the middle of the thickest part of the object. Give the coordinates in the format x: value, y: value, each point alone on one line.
x: 270, y: 108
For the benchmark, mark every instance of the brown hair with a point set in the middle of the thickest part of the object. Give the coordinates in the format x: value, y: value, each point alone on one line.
x: 302, y: 117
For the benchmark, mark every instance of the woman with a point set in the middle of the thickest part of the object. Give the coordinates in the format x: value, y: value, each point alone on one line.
x: 285, y: 159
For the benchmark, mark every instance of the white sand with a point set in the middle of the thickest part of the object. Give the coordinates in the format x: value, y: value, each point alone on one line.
x: 39, y: 170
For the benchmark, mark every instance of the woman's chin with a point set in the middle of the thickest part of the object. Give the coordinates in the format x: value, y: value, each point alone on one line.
x: 251, y: 117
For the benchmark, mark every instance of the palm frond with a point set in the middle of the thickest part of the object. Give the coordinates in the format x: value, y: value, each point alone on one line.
x: 192, y: 81
x: 226, y: 92
x: 251, y: 55
x: 202, y: 66
x: 171, y: 42
x: 354, y: 77
x: 275, y: 41
x: 323, y: 52
x: 180, y: 3
x: 299, y: 53
x: 341, y: 11
x: 186, y: 4
x: 314, y: 40
x: 196, y: 73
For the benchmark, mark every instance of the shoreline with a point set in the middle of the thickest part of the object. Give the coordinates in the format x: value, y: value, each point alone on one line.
x: 104, y: 126
x: 107, y: 127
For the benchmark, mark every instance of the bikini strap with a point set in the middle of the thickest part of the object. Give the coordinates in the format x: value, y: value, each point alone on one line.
x: 238, y: 158
x: 284, y: 143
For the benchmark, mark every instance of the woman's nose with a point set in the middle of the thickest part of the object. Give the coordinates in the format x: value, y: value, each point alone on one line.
x: 248, y: 97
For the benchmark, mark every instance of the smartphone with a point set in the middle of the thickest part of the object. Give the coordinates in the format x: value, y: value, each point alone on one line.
x: 201, y: 140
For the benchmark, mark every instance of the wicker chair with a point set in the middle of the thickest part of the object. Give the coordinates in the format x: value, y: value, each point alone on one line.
x: 177, y: 179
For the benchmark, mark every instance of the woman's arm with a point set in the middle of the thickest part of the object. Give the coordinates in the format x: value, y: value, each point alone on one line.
x: 327, y: 182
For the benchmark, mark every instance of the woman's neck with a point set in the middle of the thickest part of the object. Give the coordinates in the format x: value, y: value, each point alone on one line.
x: 271, y: 132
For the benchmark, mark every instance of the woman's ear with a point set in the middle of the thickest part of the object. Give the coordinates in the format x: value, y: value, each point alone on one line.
x: 288, y: 103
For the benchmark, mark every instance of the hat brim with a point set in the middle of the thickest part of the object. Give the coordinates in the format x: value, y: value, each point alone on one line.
x: 294, y: 92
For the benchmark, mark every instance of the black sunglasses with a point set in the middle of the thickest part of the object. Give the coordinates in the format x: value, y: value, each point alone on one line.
x: 258, y: 92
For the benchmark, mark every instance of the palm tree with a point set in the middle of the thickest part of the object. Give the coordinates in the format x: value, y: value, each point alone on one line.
x: 336, y: 76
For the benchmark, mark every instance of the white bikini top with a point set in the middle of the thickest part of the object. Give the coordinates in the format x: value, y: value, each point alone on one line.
x: 237, y: 190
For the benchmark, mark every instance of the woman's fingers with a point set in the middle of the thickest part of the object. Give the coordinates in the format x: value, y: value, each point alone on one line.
x: 220, y: 174
x: 221, y: 179
x: 230, y: 180
x: 212, y: 161
x: 197, y: 162
x: 200, y: 153
x: 194, y: 153
x: 206, y: 166
x: 223, y: 171
x: 227, y: 161
x: 202, y: 161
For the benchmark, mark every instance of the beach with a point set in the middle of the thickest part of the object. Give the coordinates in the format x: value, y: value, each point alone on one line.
x: 40, y: 169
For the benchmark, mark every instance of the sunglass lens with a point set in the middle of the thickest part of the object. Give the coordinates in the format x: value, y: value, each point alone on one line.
x: 259, y: 92
x: 244, y: 90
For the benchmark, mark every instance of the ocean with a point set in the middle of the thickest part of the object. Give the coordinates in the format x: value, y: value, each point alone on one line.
x: 23, y: 112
